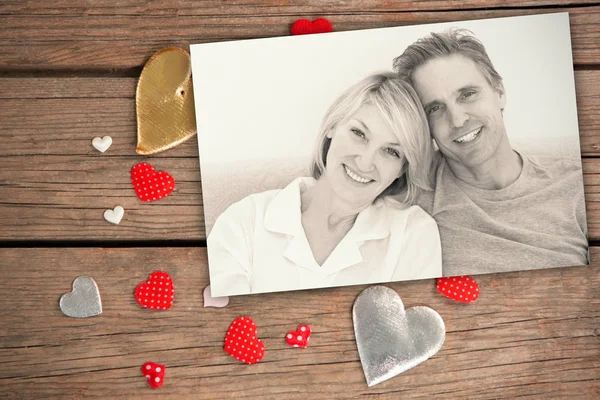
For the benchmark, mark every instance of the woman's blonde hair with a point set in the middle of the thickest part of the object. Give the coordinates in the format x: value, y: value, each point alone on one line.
x: 401, y: 109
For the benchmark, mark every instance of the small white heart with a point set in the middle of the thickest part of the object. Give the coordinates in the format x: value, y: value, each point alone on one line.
x: 102, y: 144
x: 114, y: 216
x: 210, y: 301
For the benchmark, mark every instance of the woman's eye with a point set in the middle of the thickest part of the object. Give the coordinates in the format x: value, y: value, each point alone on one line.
x: 358, y: 133
x: 393, y: 152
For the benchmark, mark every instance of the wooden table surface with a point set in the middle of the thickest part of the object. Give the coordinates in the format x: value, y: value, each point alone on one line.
x: 68, y: 72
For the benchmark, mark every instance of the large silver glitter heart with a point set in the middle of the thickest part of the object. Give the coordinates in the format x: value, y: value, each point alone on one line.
x: 84, y: 301
x: 391, y: 340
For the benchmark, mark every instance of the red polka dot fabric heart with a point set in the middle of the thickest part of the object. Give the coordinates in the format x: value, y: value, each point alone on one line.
x: 157, y: 293
x: 150, y: 185
x: 300, y: 337
x: 459, y: 288
x: 155, y: 373
x: 241, y: 342
x: 306, y: 27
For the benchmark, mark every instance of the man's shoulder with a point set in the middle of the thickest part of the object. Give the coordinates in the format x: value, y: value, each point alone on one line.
x: 426, y: 198
x: 555, y: 167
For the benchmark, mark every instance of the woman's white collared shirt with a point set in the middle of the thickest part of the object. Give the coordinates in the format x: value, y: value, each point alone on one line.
x: 259, y: 245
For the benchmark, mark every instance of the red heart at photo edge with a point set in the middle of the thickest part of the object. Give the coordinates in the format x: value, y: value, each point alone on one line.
x: 242, y: 343
x: 157, y: 293
x: 300, y: 337
x: 150, y: 185
x: 463, y: 289
x: 154, y: 373
x: 306, y: 27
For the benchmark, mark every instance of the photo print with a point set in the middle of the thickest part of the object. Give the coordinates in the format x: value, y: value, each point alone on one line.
x: 389, y: 154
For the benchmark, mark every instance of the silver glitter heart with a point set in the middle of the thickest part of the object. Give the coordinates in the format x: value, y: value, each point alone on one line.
x: 84, y: 301
x: 391, y: 340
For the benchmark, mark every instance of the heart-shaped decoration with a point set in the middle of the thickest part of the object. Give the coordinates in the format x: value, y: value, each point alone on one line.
x: 115, y: 215
x: 300, y: 337
x: 391, y: 340
x: 155, y: 373
x: 241, y: 342
x: 164, y: 102
x: 306, y: 27
x: 150, y: 185
x: 102, y: 144
x: 84, y: 301
x: 459, y: 288
x: 157, y: 293
x: 210, y: 301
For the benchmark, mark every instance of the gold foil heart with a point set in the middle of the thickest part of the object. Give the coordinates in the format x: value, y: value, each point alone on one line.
x: 164, y: 102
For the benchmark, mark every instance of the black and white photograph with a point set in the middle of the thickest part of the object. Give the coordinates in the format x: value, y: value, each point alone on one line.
x: 389, y: 154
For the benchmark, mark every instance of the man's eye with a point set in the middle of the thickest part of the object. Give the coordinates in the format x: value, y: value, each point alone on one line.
x: 358, y: 133
x: 433, y: 109
x: 468, y: 94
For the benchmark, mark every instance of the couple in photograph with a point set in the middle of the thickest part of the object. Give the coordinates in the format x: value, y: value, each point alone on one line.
x: 408, y: 163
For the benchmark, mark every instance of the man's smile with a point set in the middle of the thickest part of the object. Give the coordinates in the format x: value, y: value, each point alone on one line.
x: 469, y: 137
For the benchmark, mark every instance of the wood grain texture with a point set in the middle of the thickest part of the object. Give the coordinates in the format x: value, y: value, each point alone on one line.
x: 58, y: 108
x: 64, y: 197
x: 260, y: 8
x: 55, y: 186
x: 531, y: 334
x: 84, y: 39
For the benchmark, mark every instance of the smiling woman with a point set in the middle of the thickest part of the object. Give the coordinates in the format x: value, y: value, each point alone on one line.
x: 352, y: 222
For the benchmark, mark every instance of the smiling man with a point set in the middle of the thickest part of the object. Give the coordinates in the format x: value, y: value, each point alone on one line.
x: 497, y: 209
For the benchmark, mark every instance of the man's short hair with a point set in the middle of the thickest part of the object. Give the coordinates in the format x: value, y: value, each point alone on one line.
x: 450, y: 42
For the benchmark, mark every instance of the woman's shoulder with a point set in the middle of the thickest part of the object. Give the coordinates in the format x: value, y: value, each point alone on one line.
x: 408, y: 216
x: 253, y: 203
x: 258, y: 203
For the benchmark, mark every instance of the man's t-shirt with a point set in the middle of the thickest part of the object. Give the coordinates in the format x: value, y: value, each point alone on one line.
x: 536, y: 222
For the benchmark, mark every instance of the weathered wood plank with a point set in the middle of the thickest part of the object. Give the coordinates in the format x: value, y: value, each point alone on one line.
x: 55, y: 186
x: 532, y: 333
x: 264, y: 7
x: 85, y: 40
x: 76, y: 87
x: 587, y: 86
x: 64, y: 197
x: 58, y: 108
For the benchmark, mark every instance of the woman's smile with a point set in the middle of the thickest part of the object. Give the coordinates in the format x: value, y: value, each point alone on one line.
x: 356, y: 177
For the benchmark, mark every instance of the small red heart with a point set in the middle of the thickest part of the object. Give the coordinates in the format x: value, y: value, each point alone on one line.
x: 459, y: 288
x: 150, y: 185
x: 305, y: 27
x: 155, y: 373
x: 241, y: 342
x: 300, y: 337
x: 157, y: 293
